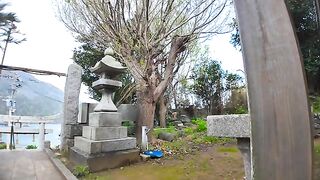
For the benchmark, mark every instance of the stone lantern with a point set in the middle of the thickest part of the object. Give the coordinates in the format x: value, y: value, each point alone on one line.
x: 104, y: 143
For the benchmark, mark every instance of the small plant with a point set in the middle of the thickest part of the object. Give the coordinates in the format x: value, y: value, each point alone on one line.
x: 188, y: 131
x: 81, y: 171
x: 31, y: 147
x: 241, y: 110
x: 201, y: 124
x: 3, y: 146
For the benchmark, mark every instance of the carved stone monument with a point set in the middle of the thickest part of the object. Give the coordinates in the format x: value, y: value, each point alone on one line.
x: 104, y: 143
x: 70, y: 128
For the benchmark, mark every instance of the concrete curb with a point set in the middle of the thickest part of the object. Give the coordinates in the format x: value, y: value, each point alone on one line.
x: 60, y: 166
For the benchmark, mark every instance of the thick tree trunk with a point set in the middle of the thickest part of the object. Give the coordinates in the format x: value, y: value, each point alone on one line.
x: 146, y: 112
x: 162, y: 111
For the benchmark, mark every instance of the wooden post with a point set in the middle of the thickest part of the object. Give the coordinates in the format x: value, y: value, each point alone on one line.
x: 282, y: 143
x: 41, y: 136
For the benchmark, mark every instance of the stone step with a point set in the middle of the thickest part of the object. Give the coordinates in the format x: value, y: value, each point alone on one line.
x: 105, y: 119
x: 104, y: 133
x: 94, y: 147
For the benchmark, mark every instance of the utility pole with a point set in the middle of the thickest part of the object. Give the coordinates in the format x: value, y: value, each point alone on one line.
x: 11, y: 104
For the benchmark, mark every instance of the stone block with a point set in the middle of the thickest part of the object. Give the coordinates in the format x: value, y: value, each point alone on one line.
x: 104, y: 133
x: 102, y: 161
x: 105, y: 119
x: 236, y: 125
x: 70, y: 131
x: 93, y: 147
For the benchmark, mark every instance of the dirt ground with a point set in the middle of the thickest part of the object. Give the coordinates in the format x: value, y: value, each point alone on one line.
x: 216, y: 162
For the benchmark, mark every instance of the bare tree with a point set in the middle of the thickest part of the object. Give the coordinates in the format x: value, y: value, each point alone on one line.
x: 150, y: 37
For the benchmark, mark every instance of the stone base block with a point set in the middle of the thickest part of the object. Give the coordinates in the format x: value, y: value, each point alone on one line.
x: 109, y: 119
x: 102, y: 161
x: 104, y: 133
x: 94, y: 147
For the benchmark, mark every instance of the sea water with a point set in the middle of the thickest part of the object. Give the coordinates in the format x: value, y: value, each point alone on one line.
x: 23, y: 140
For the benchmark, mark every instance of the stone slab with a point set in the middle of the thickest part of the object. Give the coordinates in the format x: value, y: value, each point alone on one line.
x: 94, y: 147
x: 236, y: 125
x: 102, y: 161
x: 105, y: 119
x: 104, y: 133
x: 27, y: 164
x: 84, y: 110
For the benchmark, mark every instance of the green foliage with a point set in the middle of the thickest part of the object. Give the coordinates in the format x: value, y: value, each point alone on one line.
x: 31, y: 147
x: 210, y: 82
x: 304, y: 16
x: 201, y: 124
x: 130, y: 127
x: 170, y: 129
x: 87, y: 55
x: 241, y: 110
x: 8, y: 27
x: 188, y: 130
x: 81, y: 171
x: 3, y: 146
x: 315, y: 104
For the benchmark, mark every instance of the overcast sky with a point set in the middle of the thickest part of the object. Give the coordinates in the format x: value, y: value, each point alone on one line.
x: 49, y: 44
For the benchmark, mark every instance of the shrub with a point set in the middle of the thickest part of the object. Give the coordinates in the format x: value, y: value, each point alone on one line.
x: 315, y: 101
x: 130, y: 127
x: 188, y: 131
x: 201, y: 124
x: 3, y: 146
x: 31, y: 147
x: 81, y: 171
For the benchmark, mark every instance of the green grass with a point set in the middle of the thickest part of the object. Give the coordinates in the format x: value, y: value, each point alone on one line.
x: 170, y: 129
x: 228, y: 149
x: 317, y: 149
x: 81, y: 171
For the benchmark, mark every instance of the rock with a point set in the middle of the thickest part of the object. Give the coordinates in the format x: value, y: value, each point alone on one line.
x: 177, y: 122
x: 180, y: 125
x: 187, y: 124
x: 166, y: 136
x: 185, y: 119
x: 144, y: 157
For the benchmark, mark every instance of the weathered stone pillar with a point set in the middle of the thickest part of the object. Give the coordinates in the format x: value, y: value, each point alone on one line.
x: 71, y: 107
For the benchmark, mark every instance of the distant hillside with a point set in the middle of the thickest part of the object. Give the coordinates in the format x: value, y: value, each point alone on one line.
x: 34, y: 97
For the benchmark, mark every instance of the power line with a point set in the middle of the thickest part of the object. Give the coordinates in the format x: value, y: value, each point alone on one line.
x: 32, y: 71
x: 48, y: 97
